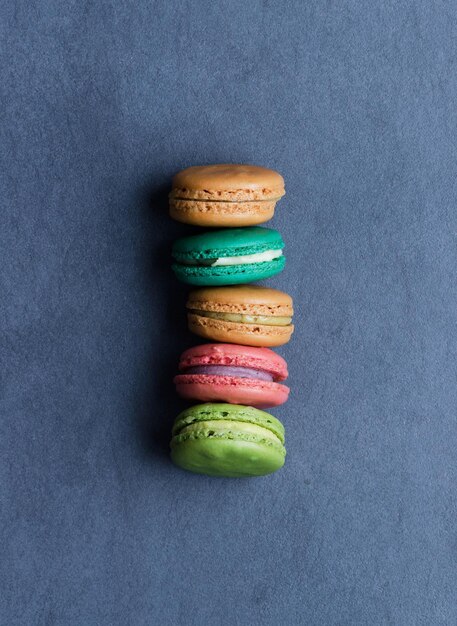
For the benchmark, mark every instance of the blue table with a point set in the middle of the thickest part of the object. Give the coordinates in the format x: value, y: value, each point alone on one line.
x: 355, y: 104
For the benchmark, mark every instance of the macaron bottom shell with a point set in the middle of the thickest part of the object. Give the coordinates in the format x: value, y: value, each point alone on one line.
x: 232, y: 458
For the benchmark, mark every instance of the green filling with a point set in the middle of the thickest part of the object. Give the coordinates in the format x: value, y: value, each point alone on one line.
x: 225, y: 429
x: 221, y: 427
x: 264, y: 320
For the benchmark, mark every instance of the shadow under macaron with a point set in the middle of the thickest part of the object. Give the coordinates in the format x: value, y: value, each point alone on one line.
x: 158, y: 404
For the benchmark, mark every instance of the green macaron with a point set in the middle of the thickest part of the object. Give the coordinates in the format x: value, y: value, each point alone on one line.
x: 228, y: 257
x: 227, y: 440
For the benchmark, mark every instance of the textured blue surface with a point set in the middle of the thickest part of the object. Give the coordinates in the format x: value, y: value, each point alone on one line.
x: 355, y: 104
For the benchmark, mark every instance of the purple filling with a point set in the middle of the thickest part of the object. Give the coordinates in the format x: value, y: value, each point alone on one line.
x: 228, y: 370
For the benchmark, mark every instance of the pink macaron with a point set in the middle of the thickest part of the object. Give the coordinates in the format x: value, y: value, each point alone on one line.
x: 222, y: 372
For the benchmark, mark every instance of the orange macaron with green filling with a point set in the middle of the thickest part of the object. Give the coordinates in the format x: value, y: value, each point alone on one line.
x: 225, y: 195
x: 246, y: 314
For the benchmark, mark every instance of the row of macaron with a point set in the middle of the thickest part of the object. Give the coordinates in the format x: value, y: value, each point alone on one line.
x: 230, y: 434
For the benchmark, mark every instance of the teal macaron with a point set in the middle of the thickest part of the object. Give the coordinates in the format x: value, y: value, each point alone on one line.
x: 228, y: 257
x: 227, y: 440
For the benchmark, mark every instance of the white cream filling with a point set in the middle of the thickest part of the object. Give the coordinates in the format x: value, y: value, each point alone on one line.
x: 260, y: 257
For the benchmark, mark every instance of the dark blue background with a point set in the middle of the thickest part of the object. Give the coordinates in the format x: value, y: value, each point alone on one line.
x: 355, y: 104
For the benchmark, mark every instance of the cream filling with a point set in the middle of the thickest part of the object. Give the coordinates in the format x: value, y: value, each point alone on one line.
x: 223, y: 426
x: 259, y: 257
x: 242, y: 318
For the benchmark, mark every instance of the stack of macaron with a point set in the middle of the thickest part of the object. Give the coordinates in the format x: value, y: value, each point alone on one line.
x: 236, y: 375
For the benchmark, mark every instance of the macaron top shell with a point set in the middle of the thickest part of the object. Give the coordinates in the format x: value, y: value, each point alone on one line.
x: 230, y: 242
x: 251, y: 299
x: 228, y: 182
x: 234, y: 355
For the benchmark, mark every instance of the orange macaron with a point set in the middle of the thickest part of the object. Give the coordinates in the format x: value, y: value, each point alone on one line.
x: 243, y: 314
x: 225, y: 195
